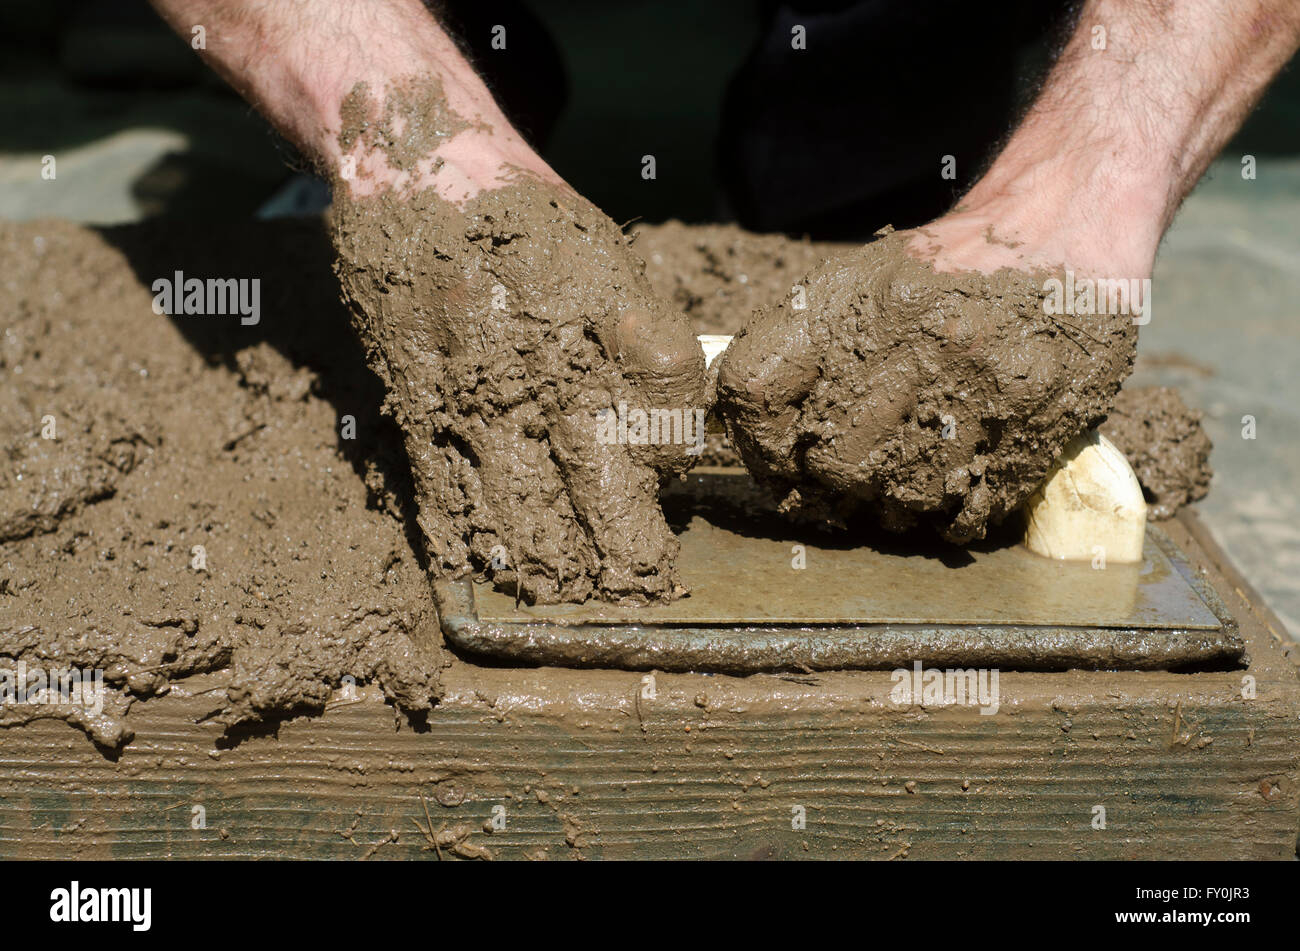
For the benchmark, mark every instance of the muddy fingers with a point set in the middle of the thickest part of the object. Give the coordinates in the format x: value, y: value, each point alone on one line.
x: 529, y: 538
x: 913, y: 396
x: 508, y: 331
x: 617, y: 500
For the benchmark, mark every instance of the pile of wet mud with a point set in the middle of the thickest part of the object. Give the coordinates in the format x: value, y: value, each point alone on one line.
x: 199, y: 493
x: 720, y: 274
x: 1166, y: 445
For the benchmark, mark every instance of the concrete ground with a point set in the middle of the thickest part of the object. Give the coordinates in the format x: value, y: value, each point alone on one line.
x: 1224, y: 331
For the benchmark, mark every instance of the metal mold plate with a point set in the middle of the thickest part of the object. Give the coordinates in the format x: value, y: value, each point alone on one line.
x: 870, y: 602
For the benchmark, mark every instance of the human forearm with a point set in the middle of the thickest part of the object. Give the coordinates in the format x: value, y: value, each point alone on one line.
x: 1120, y: 134
x: 297, y: 62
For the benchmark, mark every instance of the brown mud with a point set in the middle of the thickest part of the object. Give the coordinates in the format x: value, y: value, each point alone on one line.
x: 1166, y: 445
x: 883, y: 388
x: 200, y: 505
x: 720, y: 274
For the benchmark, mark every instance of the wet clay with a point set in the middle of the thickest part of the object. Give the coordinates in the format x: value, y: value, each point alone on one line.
x: 1166, y: 445
x: 505, y: 330
x: 720, y: 274
x: 890, y: 390
x: 184, y: 495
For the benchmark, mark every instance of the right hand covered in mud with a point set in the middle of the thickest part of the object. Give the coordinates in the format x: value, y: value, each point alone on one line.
x: 884, y: 387
x: 504, y: 327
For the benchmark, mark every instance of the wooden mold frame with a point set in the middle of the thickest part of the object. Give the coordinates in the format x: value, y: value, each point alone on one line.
x: 555, y: 763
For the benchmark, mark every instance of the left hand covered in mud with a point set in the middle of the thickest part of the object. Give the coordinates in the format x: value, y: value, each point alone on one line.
x: 886, y: 387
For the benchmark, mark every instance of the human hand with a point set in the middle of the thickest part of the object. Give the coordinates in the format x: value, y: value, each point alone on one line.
x: 887, y: 387
x: 504, y: 329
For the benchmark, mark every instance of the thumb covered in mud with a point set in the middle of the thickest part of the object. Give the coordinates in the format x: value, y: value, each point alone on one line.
x: 765, y: 374
x: 661, y: 360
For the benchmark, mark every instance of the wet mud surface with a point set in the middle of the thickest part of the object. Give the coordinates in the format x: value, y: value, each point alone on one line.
x: 1166, y: 445
x: 199, y: 505
x: 720, y: 274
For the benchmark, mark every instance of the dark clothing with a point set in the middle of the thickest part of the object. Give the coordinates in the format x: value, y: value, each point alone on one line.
x: 834, y: 139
